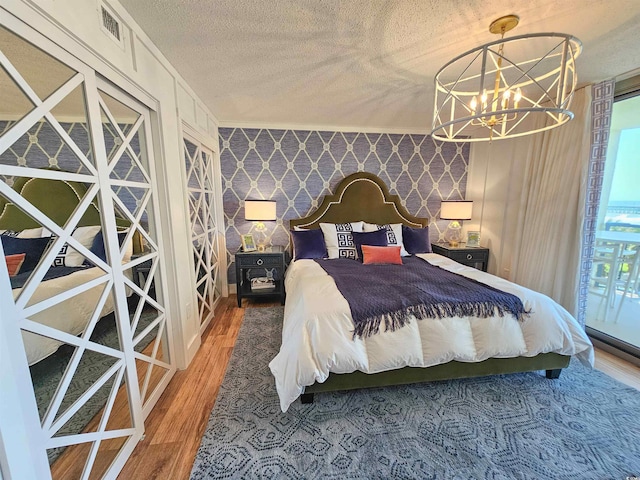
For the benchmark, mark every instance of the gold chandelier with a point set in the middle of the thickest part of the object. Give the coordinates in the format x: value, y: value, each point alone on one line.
x: 501, y: 89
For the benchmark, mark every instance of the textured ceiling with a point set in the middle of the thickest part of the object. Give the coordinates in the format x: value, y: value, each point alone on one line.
x: 357, y: 63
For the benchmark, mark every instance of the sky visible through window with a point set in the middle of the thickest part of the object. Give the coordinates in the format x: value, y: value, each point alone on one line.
x: 626, y: 176
x: 621, y: 192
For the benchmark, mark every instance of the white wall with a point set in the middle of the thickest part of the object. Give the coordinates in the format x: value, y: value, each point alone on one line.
x: 140, y: 69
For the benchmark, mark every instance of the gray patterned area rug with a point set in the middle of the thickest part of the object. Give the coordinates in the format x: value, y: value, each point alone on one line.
x: 583, y: 425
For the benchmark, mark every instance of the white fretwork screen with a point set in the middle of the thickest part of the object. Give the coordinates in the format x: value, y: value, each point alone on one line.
x: 205, y: 231
x: 84, y: 296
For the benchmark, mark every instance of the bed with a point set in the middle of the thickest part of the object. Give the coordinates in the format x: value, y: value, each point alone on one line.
x: 320, y: 352
x: 71, y: 315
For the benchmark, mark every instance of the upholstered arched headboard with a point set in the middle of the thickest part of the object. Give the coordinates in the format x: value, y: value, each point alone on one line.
x: 360, y: 196
x: 58, y: 199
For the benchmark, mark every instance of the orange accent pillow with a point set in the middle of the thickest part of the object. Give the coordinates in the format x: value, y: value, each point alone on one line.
x: 390, y: 255
x: 14, y: 262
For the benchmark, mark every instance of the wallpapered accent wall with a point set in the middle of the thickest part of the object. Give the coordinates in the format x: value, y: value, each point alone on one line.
x: 42, y: 147
x: 296, y: 168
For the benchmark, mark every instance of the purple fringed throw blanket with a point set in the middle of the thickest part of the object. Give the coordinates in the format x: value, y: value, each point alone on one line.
x: 391, y: 293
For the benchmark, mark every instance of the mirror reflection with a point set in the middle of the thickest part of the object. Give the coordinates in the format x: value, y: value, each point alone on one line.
x: 61, y: 277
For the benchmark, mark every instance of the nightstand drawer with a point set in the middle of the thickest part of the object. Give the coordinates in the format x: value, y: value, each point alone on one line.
x: 257, y: 260
x: 476, y: 257
x: 468, y: 256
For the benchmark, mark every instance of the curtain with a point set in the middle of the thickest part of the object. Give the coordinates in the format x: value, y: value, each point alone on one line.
x: 601, y: 109
x: 548, y: 240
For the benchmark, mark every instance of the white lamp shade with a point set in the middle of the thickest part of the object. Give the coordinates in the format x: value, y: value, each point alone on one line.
x: 260, y: 210
x: 456, y: 209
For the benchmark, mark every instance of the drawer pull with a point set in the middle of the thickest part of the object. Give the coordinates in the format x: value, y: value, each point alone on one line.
x: 259, y: 262
x: 469, y: 256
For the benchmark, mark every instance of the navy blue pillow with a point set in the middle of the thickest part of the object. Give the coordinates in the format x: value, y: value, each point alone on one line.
x: 374, y: 239
x: 416, y: 240
x: 97, y: 247
x: 308, y: 244
x: 33, y: 248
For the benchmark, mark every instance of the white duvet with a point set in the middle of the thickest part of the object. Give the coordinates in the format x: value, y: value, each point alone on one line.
x: 70, y: 316
x: 317, y: 338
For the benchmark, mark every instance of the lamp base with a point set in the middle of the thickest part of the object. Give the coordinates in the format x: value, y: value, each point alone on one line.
x: 261, y: 237
x: 453, y: 234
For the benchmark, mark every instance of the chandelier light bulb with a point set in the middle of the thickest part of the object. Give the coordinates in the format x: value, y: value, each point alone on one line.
x: 517, y: 97
x: 473, y: 104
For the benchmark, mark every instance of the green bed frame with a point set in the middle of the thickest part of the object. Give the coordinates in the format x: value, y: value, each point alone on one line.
x: 58, y: 200
x: 364, y: 196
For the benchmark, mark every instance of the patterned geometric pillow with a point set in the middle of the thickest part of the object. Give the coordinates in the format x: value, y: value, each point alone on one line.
x: 339, y: 240
x: 69, y: 256
x: 394, y: 234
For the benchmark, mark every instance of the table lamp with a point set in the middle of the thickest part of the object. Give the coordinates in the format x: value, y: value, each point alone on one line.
x: 456, y: 211
x: 260, y: 211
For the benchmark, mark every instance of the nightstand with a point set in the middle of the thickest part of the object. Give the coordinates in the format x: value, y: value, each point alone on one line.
x: 476, y: 257
x: 275, y: 257
x: 140, y: 271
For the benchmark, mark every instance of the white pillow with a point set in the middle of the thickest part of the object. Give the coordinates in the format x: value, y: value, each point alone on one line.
x: 339, y: 240
x: 28, y: 233
x: 394, y: 235
x: 128, y: 251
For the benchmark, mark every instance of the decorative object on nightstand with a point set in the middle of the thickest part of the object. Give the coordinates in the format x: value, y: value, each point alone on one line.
x: 456, y: 211
x: 270, y: 265
x: 473, y: 239
x: 248, y: 243
x: 260, y: 211
x: 476, y: 257
x: 487, y: 92
x: 141, y: 270
x: 140, y: 273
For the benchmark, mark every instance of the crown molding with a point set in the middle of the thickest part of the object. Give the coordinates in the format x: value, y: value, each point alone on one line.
x: 321, y: 127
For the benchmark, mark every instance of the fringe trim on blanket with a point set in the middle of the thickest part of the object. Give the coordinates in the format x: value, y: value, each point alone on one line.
x: 398, y: 319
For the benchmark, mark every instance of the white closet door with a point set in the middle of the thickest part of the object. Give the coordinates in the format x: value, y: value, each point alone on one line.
x: 89, y: 352
x: 203, y: 202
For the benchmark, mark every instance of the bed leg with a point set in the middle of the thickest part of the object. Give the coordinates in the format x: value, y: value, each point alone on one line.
x: 553, y: 374
x: 306, y: 398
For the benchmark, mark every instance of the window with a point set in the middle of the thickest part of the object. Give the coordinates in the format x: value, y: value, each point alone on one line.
x: 614, y: 295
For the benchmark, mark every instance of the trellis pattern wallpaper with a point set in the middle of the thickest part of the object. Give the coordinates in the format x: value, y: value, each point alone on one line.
x: 42, y: 147
x: 296, y: 168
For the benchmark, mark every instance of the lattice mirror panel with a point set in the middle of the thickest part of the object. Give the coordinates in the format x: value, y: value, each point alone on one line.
x: 83, y: 292
x: 199, y: 168
x: 124, y: 131
x: 50, y: 217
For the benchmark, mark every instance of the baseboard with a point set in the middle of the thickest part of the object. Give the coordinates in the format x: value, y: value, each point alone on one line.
x: 232, y: 289
x: 192, y: 349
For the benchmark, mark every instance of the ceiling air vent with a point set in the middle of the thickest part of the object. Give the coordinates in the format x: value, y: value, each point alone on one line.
x: 111, y: 25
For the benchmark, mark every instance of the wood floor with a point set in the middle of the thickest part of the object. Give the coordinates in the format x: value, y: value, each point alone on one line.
x: 176, y: 425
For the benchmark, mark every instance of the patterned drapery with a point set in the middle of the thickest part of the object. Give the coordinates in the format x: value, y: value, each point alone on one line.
x: 601, y: 108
